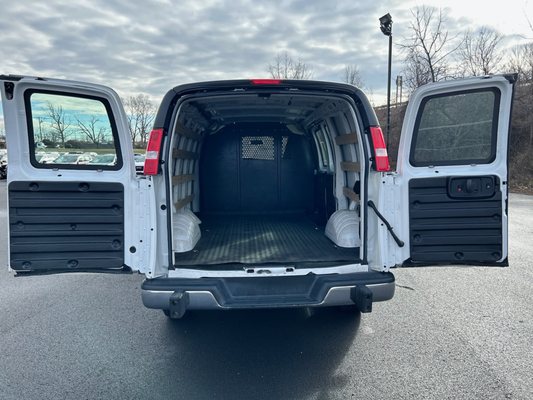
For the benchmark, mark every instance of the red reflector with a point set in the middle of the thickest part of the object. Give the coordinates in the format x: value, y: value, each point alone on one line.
x: 266, y: 81
x: 151, y: 167
x: 151, y: 162
x: 381, y: 158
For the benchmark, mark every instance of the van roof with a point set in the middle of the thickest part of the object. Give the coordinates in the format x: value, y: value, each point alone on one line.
x: 172, y: 97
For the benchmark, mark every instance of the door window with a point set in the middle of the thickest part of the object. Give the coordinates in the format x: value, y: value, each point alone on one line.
x: 457, y: 128
x: 67, y: 131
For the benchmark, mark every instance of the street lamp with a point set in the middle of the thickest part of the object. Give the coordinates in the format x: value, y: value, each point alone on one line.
x: 385, y: 24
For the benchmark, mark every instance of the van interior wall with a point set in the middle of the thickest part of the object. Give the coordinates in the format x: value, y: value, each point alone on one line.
x: 258, y: 169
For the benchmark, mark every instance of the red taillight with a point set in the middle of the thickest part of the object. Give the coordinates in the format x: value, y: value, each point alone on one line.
x: 266, y: 81
x: 151, y: 162
x: 381, y: 158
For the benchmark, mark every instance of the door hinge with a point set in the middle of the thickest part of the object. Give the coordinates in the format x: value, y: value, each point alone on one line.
x: 9, y: 88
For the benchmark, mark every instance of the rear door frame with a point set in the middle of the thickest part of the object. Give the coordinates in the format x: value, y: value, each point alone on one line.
x: 365, y: 118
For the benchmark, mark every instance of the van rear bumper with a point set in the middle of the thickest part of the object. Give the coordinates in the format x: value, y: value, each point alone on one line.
x: 267, y: 292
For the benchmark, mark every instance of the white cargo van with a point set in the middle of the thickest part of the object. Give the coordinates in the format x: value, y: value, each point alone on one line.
x: 259, y: 193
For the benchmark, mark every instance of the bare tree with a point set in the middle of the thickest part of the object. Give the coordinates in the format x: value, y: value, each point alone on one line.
x: 93, y: 129
x: 141, y: 115
x: 415, y: 72
x: 479, y: 52
x: 40, y: 122
x: 2, y: 134
x: 520, y: 60
x: 429, y: 47
x: 352, y: 76
x: 59, y: 124
x: 285, y: 67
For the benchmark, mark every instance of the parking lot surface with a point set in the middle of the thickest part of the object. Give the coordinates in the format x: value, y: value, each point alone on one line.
x: 450, y: 332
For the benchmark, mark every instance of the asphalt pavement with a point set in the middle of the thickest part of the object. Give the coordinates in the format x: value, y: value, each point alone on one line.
x: 450, y: 332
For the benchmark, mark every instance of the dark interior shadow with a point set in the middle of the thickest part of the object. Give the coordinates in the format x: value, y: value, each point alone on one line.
x: 270, y: 354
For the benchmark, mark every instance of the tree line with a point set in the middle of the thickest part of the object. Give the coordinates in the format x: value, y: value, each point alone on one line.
x: 57, y: 126
x: 433, y: 53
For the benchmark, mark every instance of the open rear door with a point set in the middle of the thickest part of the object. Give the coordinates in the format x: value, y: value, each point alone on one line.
x: 452, y: 173
x: 71, y: 180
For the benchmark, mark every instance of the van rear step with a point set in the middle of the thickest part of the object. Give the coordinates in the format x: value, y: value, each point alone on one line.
x: 180, y: 294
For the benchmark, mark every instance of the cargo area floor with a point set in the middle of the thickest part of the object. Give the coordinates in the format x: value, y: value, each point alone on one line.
x: 260, y: 239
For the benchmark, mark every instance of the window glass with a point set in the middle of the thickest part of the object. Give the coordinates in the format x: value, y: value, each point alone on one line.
x: 2, y: 131
x: 327, y: 136
x: 71, y: 131
x: 456, y: 129
x: 284, y: 143
x: 323, y: 148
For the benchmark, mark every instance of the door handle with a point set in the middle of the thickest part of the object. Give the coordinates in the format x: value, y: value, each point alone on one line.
x: 472, y: 187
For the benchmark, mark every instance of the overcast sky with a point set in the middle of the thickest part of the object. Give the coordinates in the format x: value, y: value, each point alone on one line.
x: 150, y: 46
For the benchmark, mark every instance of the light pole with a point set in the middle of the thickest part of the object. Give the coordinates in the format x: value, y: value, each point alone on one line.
x: 385, y: 24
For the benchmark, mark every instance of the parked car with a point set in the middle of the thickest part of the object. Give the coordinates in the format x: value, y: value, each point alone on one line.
x: 139, y: 162
x: 73, y: 158
x: 3, y: 165
x: 45, y: 158
x: 103, y: 159
x: 266, y: 193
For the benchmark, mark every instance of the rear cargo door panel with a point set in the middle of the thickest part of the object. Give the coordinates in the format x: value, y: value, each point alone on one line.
x: 71, y: 179
x: 446, y: 227
x: 452, y: 173
x: 66, y: 225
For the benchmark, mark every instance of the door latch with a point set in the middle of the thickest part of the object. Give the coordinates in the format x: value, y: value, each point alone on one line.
x: 472, y: 187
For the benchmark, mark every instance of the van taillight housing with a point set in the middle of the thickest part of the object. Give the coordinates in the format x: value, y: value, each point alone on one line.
x: 153, y: 150
x: 381, y: 157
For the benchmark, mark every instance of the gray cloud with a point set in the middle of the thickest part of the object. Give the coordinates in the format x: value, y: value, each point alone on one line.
x: 151, y: 46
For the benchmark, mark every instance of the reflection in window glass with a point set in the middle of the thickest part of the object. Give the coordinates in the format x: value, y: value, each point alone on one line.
x: 456, y: 129
x: 104, y: 159
x: 71, y: 130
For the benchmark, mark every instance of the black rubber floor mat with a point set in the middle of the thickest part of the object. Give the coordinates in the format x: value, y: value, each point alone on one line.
x: 262, y: 239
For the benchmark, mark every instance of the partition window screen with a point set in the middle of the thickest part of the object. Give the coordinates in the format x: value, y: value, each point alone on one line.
x: 258, y: 148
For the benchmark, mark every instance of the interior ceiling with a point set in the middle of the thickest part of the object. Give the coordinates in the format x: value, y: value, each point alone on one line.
x: 286, y: 109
